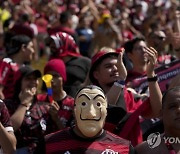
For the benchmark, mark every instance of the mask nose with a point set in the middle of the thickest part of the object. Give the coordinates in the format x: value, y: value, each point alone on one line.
x: 92, y: 112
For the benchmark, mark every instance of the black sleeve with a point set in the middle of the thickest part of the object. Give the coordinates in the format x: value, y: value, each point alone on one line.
x: 41, y: 146
x: 132, y: 150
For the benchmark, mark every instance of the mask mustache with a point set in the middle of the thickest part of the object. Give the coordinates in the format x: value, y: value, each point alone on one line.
x: 90, y: 119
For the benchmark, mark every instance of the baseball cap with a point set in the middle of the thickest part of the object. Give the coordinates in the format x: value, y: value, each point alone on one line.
x: 97, y: 59
x: 58, y: 66
x: 27, y: 70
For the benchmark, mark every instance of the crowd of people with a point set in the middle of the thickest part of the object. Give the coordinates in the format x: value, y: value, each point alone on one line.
x: 115, y: 76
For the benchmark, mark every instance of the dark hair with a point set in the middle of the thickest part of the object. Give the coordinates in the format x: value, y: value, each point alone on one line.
x: 89, y: 87
x: 99, y: 62
x: 167, y: 92
x: 23, y: 72
x: 64, y: 17
x: 129, y: 45
x: 25, y: 17
x: 16, y: 43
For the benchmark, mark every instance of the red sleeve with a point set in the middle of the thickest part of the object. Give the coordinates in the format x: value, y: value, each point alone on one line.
x: 4, y: 115
x: 131, y: 103
x: 146, y: 107
x: 5, y: 70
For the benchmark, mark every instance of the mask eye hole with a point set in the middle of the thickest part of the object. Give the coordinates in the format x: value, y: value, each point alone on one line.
x: 83, y: 104
x: 98, y: 104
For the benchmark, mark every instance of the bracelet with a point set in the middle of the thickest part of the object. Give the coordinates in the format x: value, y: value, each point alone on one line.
x: 120, y: 83
x: 24, y: 105
x: 153, y: 79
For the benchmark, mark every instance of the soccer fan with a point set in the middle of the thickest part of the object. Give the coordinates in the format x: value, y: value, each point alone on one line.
x: 170, y: 114
x: 157, y: 39
x: 66, y: 24
x: 31, y: 118
x: 63, y: 104
x: 88, y: 135
x: 62, y: 46
x: 108, y: 72
x: 20, y: 52
x: 135, y: 50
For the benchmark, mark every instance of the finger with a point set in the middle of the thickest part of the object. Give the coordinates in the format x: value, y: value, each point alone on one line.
x: 120, y: 56
x: 151, y: 52
x: 33, y: 90
x: 55, y: 106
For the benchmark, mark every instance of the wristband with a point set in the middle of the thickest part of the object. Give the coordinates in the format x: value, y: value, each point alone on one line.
x: 120, y: 83
x: 153, y: 79
x: 24, y: 105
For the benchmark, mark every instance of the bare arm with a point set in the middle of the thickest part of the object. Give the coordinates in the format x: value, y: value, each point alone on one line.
x: 177, y: 22
x: 116, y: 31
x: 26, y: 98
x: 18, y: 117
x: 53, y: 111
x: 7, y: 140
x: 154, y: 89
x: 1, y: 92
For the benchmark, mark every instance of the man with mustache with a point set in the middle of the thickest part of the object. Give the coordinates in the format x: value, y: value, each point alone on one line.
x: 88, y: 135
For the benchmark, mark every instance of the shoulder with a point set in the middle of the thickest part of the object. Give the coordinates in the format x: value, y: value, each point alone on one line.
x: 85, y: 60
x: 2, y: 105
x: 68, y: 101
x: 143, y: 148
x: 117, y: 139
x: 7, y: 60
x: 7, y: 63
x: 57, y: 136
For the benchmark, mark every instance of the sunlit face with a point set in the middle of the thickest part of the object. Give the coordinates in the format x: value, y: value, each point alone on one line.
x: 57, y: 81
x: 138, y: 55
x: 107, y: 71
x: 159, y: 40
x: 29, y: 51
x: 90, y: 112
x: 171, y: 112
x: 29, y: 82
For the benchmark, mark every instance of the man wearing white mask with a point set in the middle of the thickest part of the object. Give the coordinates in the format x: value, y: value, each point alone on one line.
x: 88, y: 135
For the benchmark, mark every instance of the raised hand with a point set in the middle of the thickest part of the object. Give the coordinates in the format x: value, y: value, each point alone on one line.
x: 53, y: 110
x: 26, y: 96
x: 120, y: 65
x: 152, y: 55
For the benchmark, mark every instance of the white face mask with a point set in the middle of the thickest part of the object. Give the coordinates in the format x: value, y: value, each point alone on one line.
x: 90, y: 111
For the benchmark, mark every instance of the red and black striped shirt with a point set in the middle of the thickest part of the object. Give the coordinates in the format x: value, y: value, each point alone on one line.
x: 67, y: 142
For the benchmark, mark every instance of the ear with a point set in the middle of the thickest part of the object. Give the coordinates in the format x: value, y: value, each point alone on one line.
x: 61, y: 83
x: 23, y: 46
x: 96, y: 74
